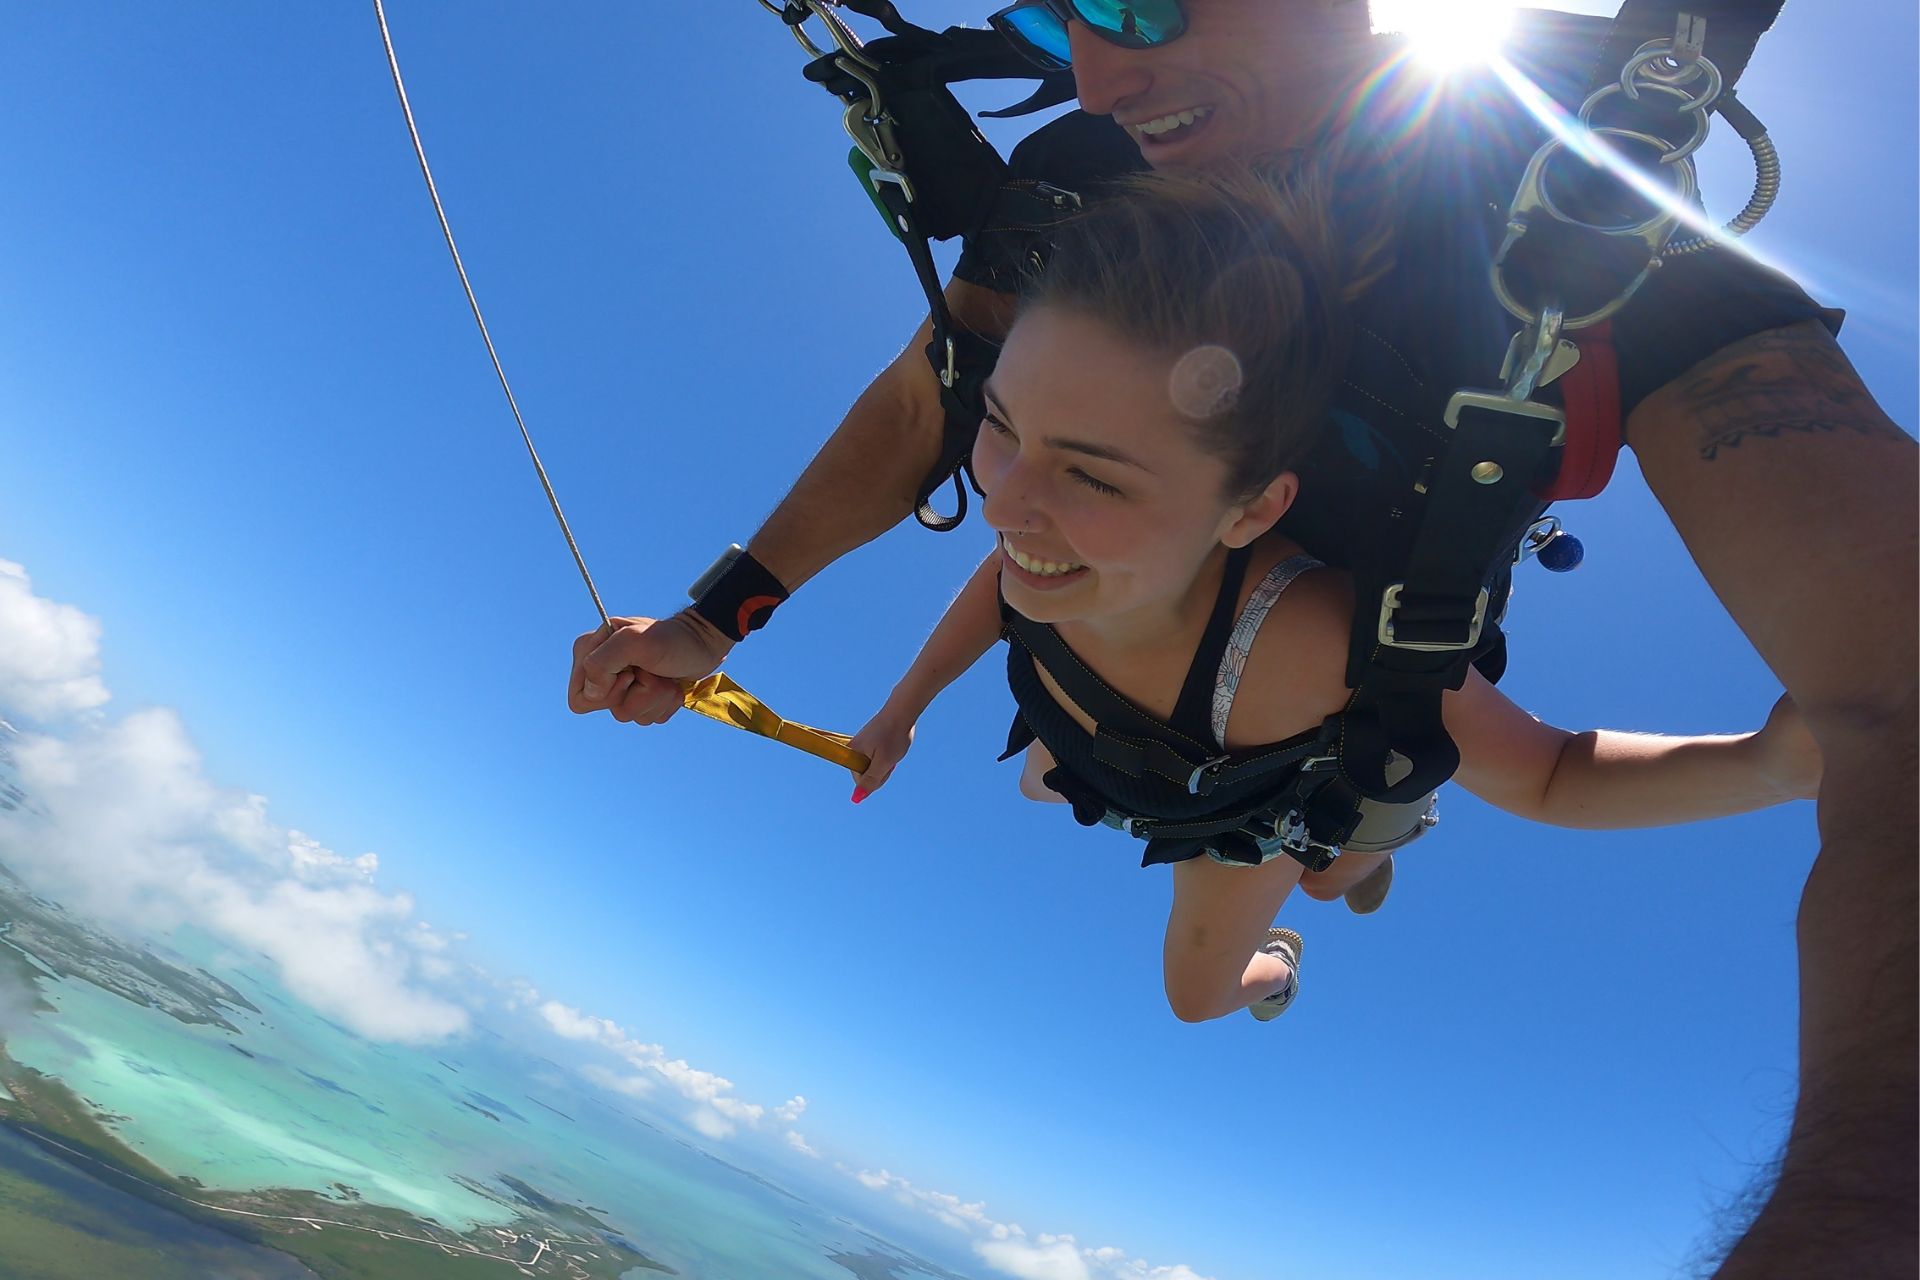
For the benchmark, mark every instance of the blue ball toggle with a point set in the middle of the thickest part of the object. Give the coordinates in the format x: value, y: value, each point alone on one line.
x: 1561, y: 553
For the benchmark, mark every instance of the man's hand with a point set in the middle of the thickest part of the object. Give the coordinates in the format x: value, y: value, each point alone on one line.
x: 634, y: 668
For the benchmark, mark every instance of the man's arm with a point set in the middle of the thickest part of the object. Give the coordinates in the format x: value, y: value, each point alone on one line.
x: 863, y: 481
x: 1796, y: 496
x: 867, y: 476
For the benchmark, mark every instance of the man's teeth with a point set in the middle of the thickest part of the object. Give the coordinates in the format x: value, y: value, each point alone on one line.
x: 1166, y: 124
x: 1044, y: 568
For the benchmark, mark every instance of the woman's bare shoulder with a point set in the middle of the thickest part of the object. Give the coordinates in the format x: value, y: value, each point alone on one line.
x: 1296, y: 671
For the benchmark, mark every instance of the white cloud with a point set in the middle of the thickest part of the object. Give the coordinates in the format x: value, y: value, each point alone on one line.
x: 124, y: 825
x: 574, y: 1025
x: 1044, y: 1259
x: 717, y: 1113
x: 632, y: 1086
x: 710, y: 1123
x: 1009, y: 1249
x: 49, y: 653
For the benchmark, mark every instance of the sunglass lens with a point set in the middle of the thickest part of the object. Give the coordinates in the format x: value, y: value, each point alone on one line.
x: 1036, y: 32
x: 1140, y: 24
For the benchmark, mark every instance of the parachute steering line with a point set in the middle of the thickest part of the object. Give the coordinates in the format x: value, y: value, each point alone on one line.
x: 717, y: 696
x: 446, y: 229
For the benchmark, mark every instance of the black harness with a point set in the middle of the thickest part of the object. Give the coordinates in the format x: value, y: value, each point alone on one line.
x: 1430, y: 540
x: 1165, y: 781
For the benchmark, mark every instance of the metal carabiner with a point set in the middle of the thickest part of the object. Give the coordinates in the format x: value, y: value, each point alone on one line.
x: 1533, y: 200
x: 1538, y: 347
x: 1702, y: 125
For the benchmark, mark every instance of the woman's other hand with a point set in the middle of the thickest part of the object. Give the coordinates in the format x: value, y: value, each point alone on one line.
x: 1786, y: 754
x: 884, y: 741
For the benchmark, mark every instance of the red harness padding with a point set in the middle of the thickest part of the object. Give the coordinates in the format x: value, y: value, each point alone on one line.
x: 1591, y: 393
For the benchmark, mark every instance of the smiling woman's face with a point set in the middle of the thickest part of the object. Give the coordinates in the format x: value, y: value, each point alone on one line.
x: 1106, y: 501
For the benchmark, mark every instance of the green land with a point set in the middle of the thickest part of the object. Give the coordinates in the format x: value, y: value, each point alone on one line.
x: 56, y: 1220
x: 51, y: 1234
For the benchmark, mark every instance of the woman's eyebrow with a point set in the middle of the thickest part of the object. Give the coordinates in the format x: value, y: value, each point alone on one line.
x: 1088, y: 447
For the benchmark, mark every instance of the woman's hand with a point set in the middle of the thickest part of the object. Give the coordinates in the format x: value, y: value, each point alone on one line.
x: 884, y: 741
x: 1786, y: 754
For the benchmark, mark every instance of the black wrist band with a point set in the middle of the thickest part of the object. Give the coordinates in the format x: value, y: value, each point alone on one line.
x: 736, y: 593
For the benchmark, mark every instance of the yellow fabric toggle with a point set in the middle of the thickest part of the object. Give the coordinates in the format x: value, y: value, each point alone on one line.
x: 718, y: 697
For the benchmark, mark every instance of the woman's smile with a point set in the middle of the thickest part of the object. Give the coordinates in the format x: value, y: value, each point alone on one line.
x: 1039, y: 573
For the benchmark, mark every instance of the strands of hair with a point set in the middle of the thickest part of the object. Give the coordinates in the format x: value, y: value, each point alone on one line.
x: 1244, y: 275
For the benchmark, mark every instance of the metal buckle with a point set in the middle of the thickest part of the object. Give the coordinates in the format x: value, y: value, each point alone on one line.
x: 877, y: 175
x: 1498, y: 402
x: 1193, y: 781
x: 1390, y: 603
x: 1299, y: 843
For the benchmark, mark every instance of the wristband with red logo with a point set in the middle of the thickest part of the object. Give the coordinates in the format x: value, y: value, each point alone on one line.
x: 737, y: 594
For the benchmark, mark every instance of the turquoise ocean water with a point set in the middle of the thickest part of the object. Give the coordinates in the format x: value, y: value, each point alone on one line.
x: 297, y: 1101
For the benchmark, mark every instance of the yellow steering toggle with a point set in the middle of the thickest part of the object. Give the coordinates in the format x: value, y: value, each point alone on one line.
x: 719, y: 698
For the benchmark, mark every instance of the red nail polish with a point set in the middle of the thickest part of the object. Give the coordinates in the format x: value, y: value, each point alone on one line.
x: 860, y: 793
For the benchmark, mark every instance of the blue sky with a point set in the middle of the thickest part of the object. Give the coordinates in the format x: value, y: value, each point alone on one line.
x: 246, y: 424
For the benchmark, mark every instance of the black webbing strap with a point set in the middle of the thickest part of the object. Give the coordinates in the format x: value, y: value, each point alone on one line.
x: 1421, y: 604
x: 1415, y: 635
x: 1136, y: 744
x: 961, y: 360
x: 1734, y: 27
x: 940, y: 181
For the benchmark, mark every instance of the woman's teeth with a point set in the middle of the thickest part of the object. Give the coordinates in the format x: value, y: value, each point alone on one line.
x: 1043, y: 568
x: 1178, y: 120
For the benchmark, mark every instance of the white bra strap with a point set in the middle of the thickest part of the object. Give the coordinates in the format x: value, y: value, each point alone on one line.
x: 1245, y: 628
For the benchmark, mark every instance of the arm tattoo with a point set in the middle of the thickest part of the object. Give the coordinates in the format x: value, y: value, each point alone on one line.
x: 1795, y: 379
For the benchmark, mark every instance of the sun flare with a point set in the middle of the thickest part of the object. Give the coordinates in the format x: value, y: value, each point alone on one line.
x: 1447, y: 33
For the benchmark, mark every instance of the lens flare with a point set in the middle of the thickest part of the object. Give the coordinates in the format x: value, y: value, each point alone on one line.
x: 1445, y: 34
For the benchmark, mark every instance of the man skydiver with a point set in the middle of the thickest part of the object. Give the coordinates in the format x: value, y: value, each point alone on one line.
x: 1794, y: 493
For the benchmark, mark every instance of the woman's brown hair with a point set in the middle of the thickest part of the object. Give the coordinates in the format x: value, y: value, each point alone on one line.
x: 1245, y: 275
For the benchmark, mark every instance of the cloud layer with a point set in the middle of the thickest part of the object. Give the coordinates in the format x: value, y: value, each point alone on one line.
x: 123, y: 824
x: 1009, y: 1248
x: 49, y: 653
x: 716, y: 1112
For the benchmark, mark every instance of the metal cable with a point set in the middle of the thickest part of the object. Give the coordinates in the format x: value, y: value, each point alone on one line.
x: 399, y: 87
x: 1766, y: 188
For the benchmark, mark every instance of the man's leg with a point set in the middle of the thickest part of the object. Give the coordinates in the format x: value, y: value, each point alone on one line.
x: 1796, y: 496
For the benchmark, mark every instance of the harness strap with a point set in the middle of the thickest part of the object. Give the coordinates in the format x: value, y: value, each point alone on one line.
x: 1734, y: 27
x: 1416, y: 635
x: 1591, y: 393
x: 1193, y: 713
x: 1136, y: 744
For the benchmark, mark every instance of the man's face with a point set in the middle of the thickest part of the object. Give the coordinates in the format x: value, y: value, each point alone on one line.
x: 1248, y: 78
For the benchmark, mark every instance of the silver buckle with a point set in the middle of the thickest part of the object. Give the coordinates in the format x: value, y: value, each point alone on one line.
x: 1499, y: 403
x: 1390, y: 602
x: 1193, y: 780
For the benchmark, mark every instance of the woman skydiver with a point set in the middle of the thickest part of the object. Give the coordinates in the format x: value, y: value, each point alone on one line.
x: 1165, y: 377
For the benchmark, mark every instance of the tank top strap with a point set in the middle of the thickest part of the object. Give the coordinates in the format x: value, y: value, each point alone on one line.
x: 1233, y: 661
x: 1191, y: 712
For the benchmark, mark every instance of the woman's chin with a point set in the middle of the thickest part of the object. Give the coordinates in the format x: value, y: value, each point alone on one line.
x: 1051, y: 602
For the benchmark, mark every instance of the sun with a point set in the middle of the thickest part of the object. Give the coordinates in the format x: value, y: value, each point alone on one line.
x: 1445, y: 34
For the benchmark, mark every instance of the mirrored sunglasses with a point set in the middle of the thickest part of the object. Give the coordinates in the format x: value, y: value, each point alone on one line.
x: 1038, y: 28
